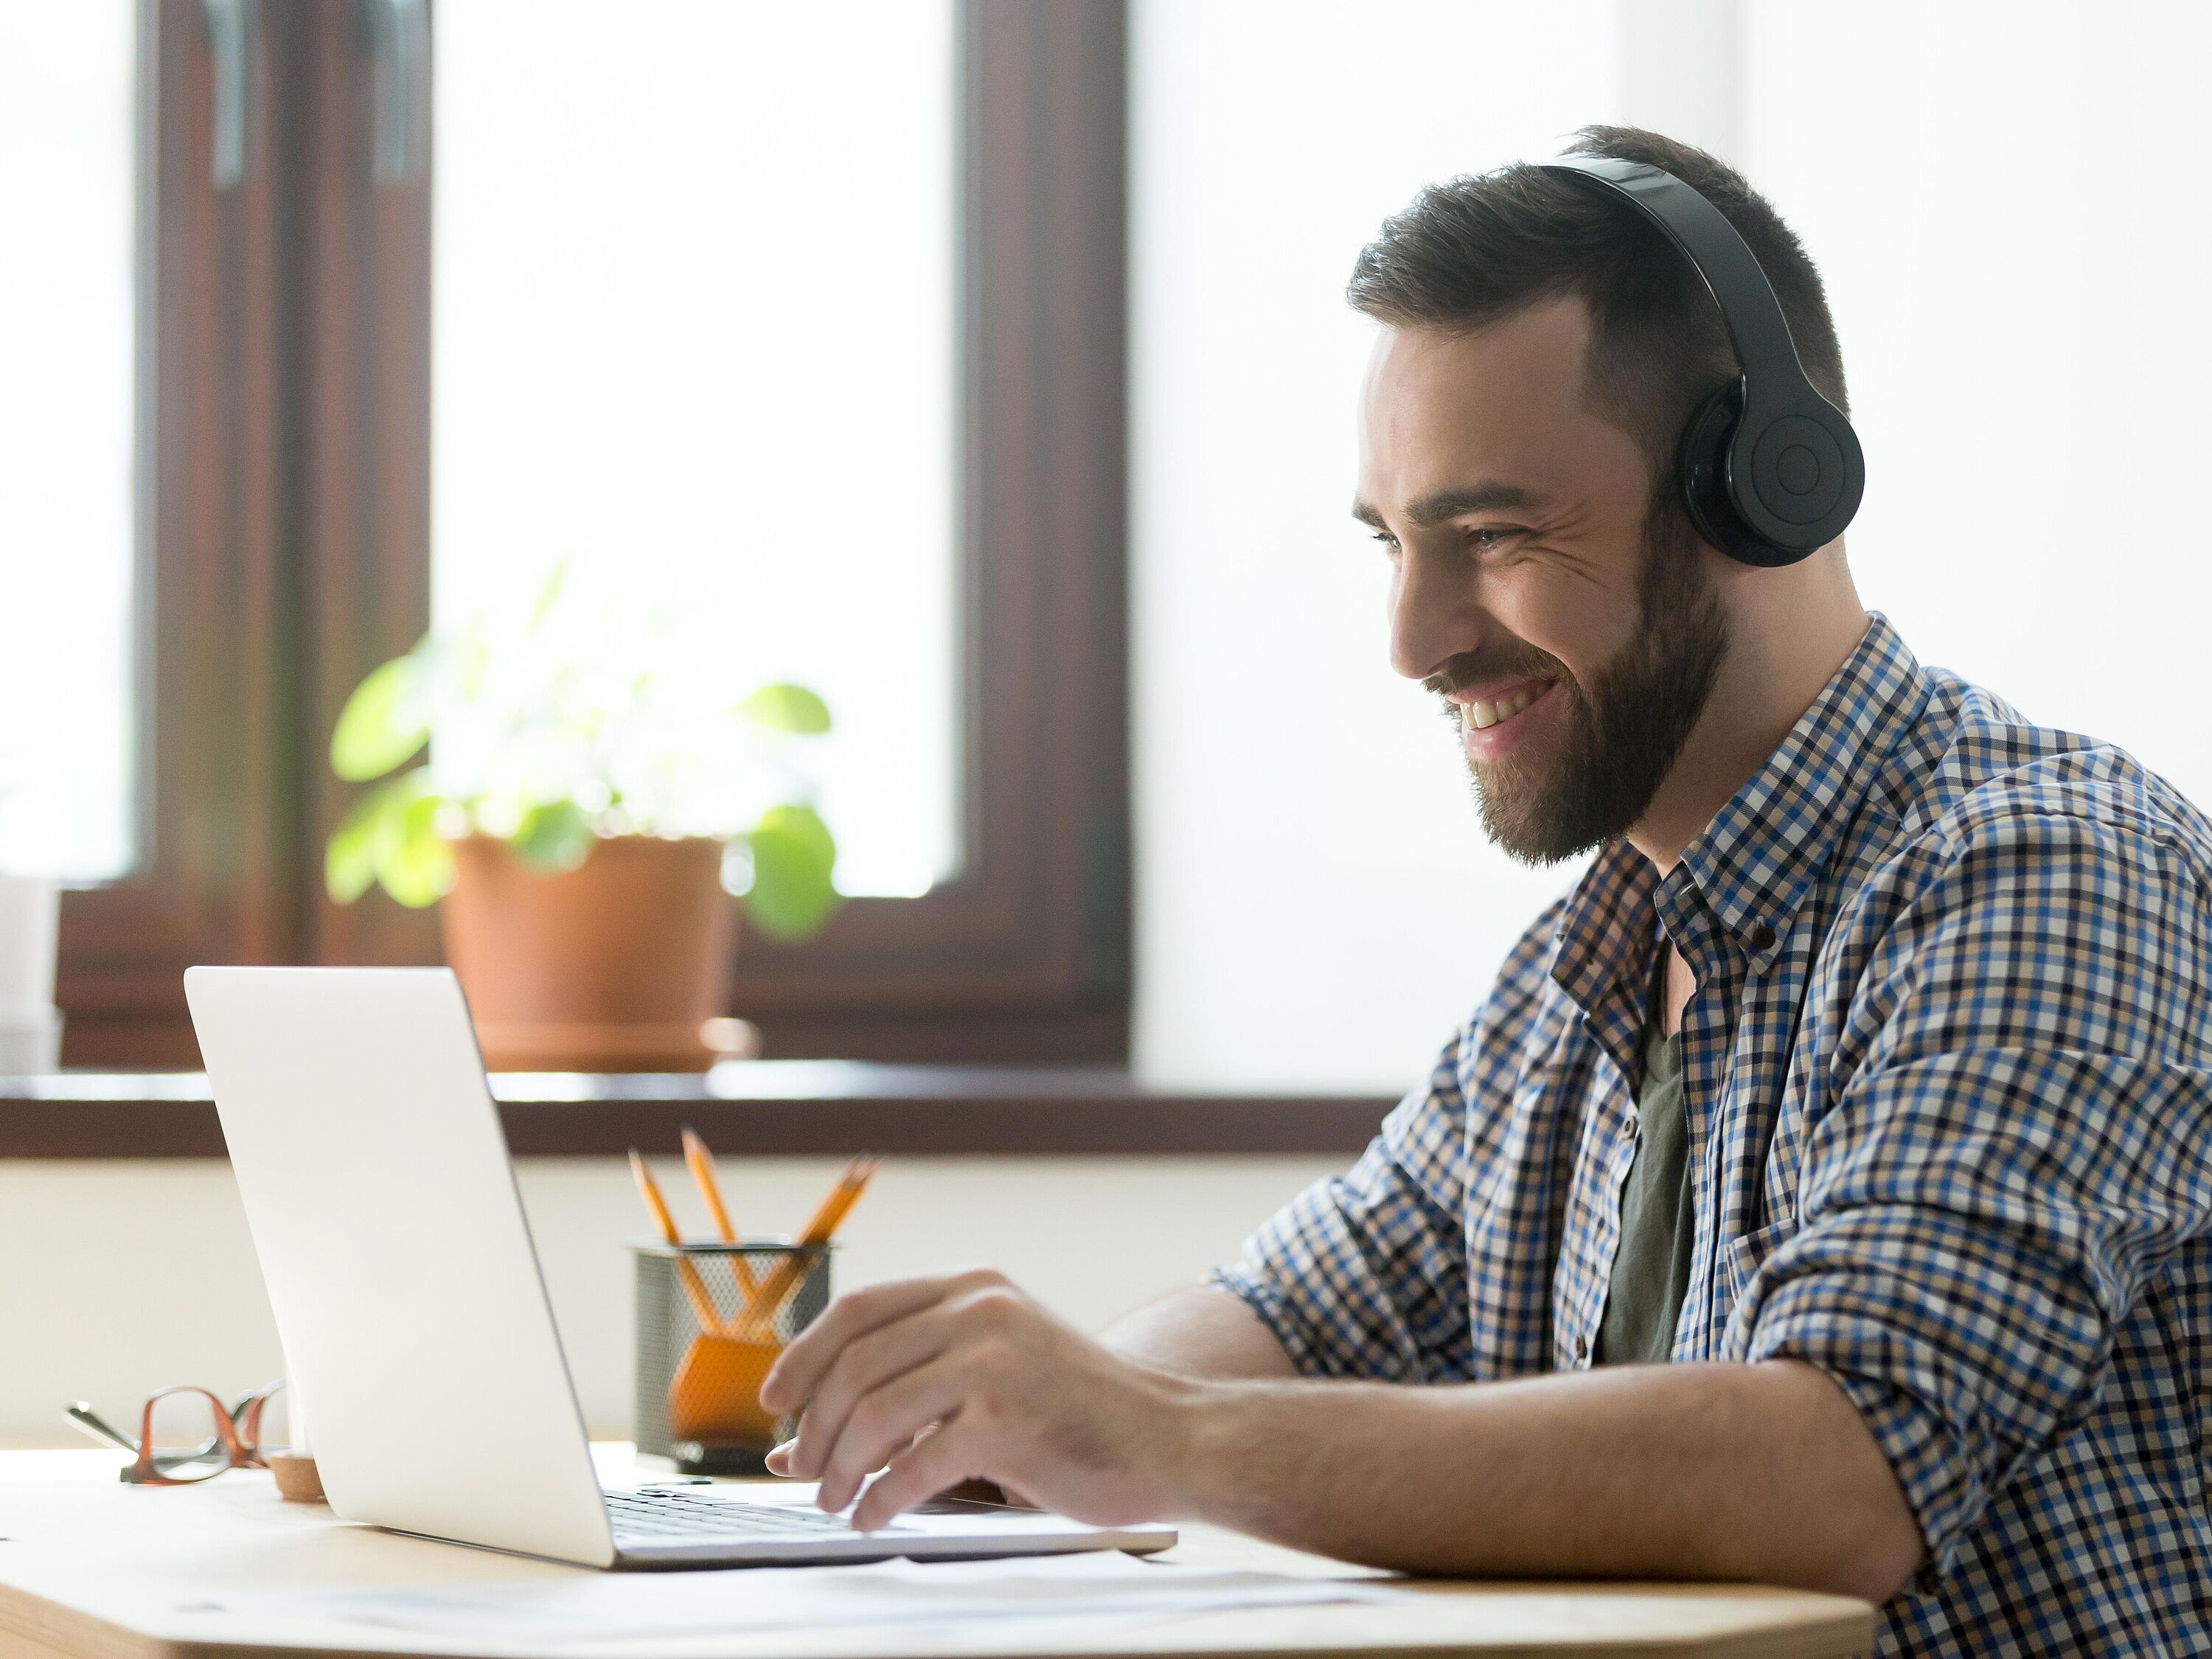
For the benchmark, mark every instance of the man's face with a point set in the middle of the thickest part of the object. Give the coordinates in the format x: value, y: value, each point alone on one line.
x: 1574, y: 651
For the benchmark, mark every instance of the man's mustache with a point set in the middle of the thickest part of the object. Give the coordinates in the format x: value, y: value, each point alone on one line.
x: 1491, y: 668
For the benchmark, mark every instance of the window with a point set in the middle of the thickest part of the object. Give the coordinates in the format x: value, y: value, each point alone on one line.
x: 692, y: 335
x: 208, y: 740
x: 69, y: 181
x: 291, y: 444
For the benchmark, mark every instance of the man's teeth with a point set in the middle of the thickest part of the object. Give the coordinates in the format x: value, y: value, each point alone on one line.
x: 1480, y: 714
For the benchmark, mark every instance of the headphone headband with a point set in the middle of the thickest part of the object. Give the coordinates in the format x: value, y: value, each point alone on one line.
x: 1723, y: 259
x: 1771, y: 470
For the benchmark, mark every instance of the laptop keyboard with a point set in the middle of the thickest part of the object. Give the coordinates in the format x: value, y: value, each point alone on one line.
x: 662, y: 1515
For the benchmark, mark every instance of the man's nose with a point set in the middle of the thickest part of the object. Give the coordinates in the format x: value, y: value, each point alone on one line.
x: 1435, y: 613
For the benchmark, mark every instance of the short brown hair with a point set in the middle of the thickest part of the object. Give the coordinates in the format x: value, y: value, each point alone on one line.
x: 1473, y: 250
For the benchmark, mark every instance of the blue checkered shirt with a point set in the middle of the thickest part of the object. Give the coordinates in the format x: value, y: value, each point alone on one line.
x: 1950, y: 1136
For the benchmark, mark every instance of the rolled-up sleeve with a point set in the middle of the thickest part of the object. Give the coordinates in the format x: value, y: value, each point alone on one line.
x: 1364, y: 1274
x: 2017, y: 1137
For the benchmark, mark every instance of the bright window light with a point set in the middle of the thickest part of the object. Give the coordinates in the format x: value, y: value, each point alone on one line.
x: 68, y: 195
x: 694, y: 335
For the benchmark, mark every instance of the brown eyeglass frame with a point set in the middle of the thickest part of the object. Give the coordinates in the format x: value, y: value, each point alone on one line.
x: 237, y: 1432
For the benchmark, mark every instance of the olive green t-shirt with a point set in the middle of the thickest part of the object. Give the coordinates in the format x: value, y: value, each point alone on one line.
x: 1651, y: 1269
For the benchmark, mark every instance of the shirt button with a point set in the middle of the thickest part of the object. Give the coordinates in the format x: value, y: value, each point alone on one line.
x: 1762, y: 938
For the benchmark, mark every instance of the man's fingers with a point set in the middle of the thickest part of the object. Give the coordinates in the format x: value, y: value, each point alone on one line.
x: 885, y: 1420
x: 917, y: 1474
x: 868, y: 1363
x: 799, y: 1369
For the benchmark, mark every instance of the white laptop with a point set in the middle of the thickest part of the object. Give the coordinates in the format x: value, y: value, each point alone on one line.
x: 407, y: 1293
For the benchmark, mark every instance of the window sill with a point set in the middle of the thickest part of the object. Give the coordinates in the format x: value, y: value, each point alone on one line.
x: 767, y: 1108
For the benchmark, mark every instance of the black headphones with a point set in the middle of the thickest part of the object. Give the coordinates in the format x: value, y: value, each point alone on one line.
x: 1770, y: 469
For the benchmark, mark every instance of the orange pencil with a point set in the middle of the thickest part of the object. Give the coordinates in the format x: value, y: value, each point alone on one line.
x: 703, y: 1304
x: 784, y: 1278
x: 700, y: 1162
x: 840, y: 1198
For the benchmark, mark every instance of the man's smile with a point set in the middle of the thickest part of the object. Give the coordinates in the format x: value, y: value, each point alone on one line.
x: 1489, y: 717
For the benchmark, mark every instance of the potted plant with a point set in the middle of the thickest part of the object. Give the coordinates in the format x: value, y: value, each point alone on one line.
x: 591, y: 790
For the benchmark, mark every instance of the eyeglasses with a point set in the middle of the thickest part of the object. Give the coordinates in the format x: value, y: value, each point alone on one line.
x: 186, y: 1434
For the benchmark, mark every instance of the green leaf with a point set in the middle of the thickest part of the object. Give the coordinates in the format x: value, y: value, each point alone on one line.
x: 556, y: 835
x: 549, y: 595
x: 357, y: 845
x: 383, y: 724
x: 417, y: 867
x: 787, y: 707
x: 794, y: 859
x: 390, y: 836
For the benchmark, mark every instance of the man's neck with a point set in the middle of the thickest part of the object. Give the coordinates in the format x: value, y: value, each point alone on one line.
x: 1756, y: 698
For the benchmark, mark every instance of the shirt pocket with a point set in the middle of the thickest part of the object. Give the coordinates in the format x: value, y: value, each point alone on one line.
x: 1742, y: 1257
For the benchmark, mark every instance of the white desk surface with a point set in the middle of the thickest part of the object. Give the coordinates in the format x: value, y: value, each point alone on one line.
x: 90, y: 1566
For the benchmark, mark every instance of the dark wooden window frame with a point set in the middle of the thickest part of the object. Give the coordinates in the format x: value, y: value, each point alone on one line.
x: 217, y: 741
x: 1026, y: 956
x: 285, y: 537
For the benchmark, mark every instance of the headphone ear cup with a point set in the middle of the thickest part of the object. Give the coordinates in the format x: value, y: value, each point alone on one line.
x: 1702, y: 470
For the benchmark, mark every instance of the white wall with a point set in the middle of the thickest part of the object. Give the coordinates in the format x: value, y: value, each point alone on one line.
x: 121, y: 1277
x: 1315, y: 905
x: 2017, y: 256
x: 2016, y: 248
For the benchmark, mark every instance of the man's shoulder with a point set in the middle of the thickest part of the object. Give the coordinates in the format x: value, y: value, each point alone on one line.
x: 1518, y: 998
x: 1974, y: 776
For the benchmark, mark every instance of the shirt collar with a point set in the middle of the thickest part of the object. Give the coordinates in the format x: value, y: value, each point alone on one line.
x: 1762, y: 851
x: 1756, y: 860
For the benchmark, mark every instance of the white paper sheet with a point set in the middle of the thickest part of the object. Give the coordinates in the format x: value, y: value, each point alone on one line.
x: 592, y: 1608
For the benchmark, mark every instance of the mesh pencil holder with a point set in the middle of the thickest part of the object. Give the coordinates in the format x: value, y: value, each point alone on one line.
x: 698, y: 1389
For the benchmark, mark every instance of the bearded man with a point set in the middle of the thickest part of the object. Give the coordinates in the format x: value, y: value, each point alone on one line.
x: 1820, y: 1196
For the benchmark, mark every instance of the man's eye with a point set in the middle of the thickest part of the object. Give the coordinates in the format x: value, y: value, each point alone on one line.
x: 1489, y: 539
x: 1389, y: 541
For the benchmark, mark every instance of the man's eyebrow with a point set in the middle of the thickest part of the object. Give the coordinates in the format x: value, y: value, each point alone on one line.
x: 1442, y: 506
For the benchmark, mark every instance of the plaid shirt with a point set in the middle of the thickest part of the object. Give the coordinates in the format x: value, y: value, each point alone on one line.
x: 1950, y: 1122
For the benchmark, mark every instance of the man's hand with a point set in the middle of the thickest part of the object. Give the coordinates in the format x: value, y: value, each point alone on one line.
x: 960, y: 1376
x: 1761, y: 1472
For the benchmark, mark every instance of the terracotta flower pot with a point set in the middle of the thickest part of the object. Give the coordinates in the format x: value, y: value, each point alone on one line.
x: 613, y: 966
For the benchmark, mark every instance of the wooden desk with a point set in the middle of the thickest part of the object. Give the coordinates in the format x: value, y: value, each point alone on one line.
x: 91, y: 1567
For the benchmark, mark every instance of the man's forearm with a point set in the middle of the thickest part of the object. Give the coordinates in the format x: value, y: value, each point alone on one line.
x: 1762, y: 1472
x: 1200, y: 1332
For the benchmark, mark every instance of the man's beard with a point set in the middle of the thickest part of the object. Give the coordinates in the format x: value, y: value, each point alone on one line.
x: 1625, y: 733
